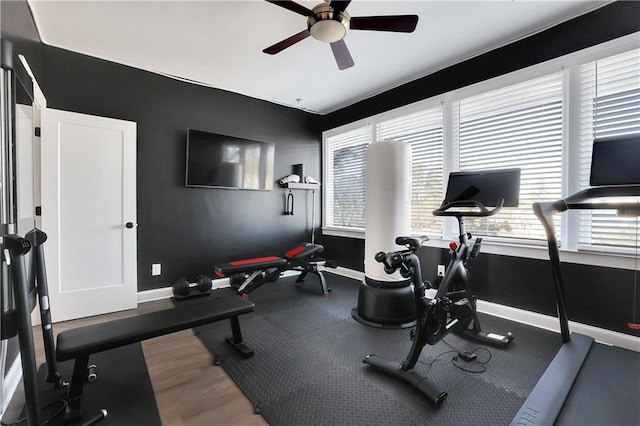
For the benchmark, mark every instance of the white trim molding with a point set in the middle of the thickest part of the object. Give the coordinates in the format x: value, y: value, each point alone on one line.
x: 167, y: 292
x: 607, y: 337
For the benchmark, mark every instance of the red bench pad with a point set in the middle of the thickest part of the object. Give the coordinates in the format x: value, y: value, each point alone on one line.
x: 248, y: 265
x: 303, y: 251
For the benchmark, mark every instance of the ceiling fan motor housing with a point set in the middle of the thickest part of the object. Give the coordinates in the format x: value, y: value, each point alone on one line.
x: 326, y: 24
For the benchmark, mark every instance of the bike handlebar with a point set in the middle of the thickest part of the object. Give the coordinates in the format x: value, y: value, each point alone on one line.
x: 395, y: 260
x: 445, y: 209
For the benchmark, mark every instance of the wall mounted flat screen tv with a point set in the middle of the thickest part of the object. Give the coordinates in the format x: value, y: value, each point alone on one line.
x: 221, y: 161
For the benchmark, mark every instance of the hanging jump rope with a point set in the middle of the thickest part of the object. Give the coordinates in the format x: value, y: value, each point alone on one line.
x: 288, y: 208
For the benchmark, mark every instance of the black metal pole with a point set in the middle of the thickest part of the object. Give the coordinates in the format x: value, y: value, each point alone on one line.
x: 544, y: 213
x: 13, y: 249
x: 37, y: 238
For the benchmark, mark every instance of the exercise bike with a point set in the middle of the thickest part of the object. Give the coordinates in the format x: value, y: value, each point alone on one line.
x: 453, y: 308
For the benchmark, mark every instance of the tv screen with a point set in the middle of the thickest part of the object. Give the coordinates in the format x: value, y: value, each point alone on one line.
x: 487, y: 187
x: 614, y: 161
x: 221, y: 161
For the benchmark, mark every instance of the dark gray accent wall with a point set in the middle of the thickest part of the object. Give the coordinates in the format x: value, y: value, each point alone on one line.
x: 598, y: 296
x: 189, y: 230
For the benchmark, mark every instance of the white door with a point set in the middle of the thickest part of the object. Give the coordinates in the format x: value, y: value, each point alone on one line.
x: 88, y: 194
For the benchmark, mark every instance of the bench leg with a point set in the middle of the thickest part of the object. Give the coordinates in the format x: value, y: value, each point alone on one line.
x: 256, y: 279
x: 236, y: 339
x: 323, y: 282
x: 74, y: 394
x: 301, y: 277
x: 311, y: 269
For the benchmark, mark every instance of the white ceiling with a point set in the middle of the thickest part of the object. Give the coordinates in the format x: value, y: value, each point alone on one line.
x: 220, y: 43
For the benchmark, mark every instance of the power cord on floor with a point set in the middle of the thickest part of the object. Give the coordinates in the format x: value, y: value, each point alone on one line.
x: 463, y: 358
x: 468, y: 357
x: 436, y: 358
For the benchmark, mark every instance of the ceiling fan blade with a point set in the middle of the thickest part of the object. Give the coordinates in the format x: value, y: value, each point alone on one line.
x: 342, y: 55
x: 339, y: 6
x: 293, y: 6
x: 287, y: 42
x: 397, y: 23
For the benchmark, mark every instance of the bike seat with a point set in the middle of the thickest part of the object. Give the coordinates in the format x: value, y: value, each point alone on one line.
x: 414, y: 242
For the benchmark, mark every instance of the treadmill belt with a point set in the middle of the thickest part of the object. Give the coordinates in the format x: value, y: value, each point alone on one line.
x: 607, y: 390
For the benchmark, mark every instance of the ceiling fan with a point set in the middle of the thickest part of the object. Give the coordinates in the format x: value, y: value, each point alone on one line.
x: 329, y: 22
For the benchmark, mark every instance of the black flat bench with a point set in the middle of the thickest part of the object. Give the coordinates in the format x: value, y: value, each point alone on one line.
x: 81, y: 342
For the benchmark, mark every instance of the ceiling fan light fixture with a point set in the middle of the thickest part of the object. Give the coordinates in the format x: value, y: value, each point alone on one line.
x: 328, y: 31
x: 329, y: 22
x: 326, y: 24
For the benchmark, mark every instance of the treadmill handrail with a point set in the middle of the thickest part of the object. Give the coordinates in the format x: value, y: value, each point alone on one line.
x: 578, y: 201
x: 483, y: 211
x: 582, y: 200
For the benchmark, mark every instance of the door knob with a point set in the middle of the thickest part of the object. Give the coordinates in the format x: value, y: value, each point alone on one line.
x: 129, y: 225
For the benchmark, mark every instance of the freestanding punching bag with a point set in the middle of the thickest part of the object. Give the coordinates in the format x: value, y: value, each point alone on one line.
x: 384, y: 300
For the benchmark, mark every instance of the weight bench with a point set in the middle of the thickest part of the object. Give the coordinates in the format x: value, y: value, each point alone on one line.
x: 248, y: 274
x: 80, y: 343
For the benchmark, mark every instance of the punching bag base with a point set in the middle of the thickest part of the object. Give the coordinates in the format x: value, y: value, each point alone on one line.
x: 387, y: 305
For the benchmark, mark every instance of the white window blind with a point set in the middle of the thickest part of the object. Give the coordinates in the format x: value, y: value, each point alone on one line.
x: 515, y: 126
x: 423, y: 130
x: 345, y: 192
x: 609, y: 106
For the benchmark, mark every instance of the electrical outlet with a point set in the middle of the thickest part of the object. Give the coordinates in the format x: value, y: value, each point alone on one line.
x: 156, y: 269
x: 441, y: 270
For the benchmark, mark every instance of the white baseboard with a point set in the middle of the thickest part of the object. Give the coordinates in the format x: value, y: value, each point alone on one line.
x: 167, y: 292
x: 346, y: 272
x: 607, y: 337
x: 10, y: 383
x: 546, y: 322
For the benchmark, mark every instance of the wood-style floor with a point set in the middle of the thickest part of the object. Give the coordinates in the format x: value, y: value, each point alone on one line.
x: 188, y: 388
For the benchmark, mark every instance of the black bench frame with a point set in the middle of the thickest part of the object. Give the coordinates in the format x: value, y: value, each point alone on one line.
x: 80, y: 343
x: 248, y: 274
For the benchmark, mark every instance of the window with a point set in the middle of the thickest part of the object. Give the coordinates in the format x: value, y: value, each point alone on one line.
x: 345, y: 177
x: 424, y: 132
x: 542, y: 119
x: 609, y: 106
x: 516, y: 126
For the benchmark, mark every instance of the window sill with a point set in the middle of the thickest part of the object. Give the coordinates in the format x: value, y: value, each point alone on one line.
x: 343, y: 232
x: 610, y: 260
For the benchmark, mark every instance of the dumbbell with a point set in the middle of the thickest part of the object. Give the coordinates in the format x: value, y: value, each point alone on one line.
x: 237, y: 278
x: 182, y: 288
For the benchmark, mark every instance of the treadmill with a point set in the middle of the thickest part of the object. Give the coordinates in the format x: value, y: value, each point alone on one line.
x: 589, y: 383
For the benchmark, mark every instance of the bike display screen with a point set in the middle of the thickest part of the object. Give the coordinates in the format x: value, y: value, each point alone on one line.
x: 485, y: 186
x: 614, y: 161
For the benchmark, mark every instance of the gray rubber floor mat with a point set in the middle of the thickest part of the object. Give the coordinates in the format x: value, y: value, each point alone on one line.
x: 307, y: 368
